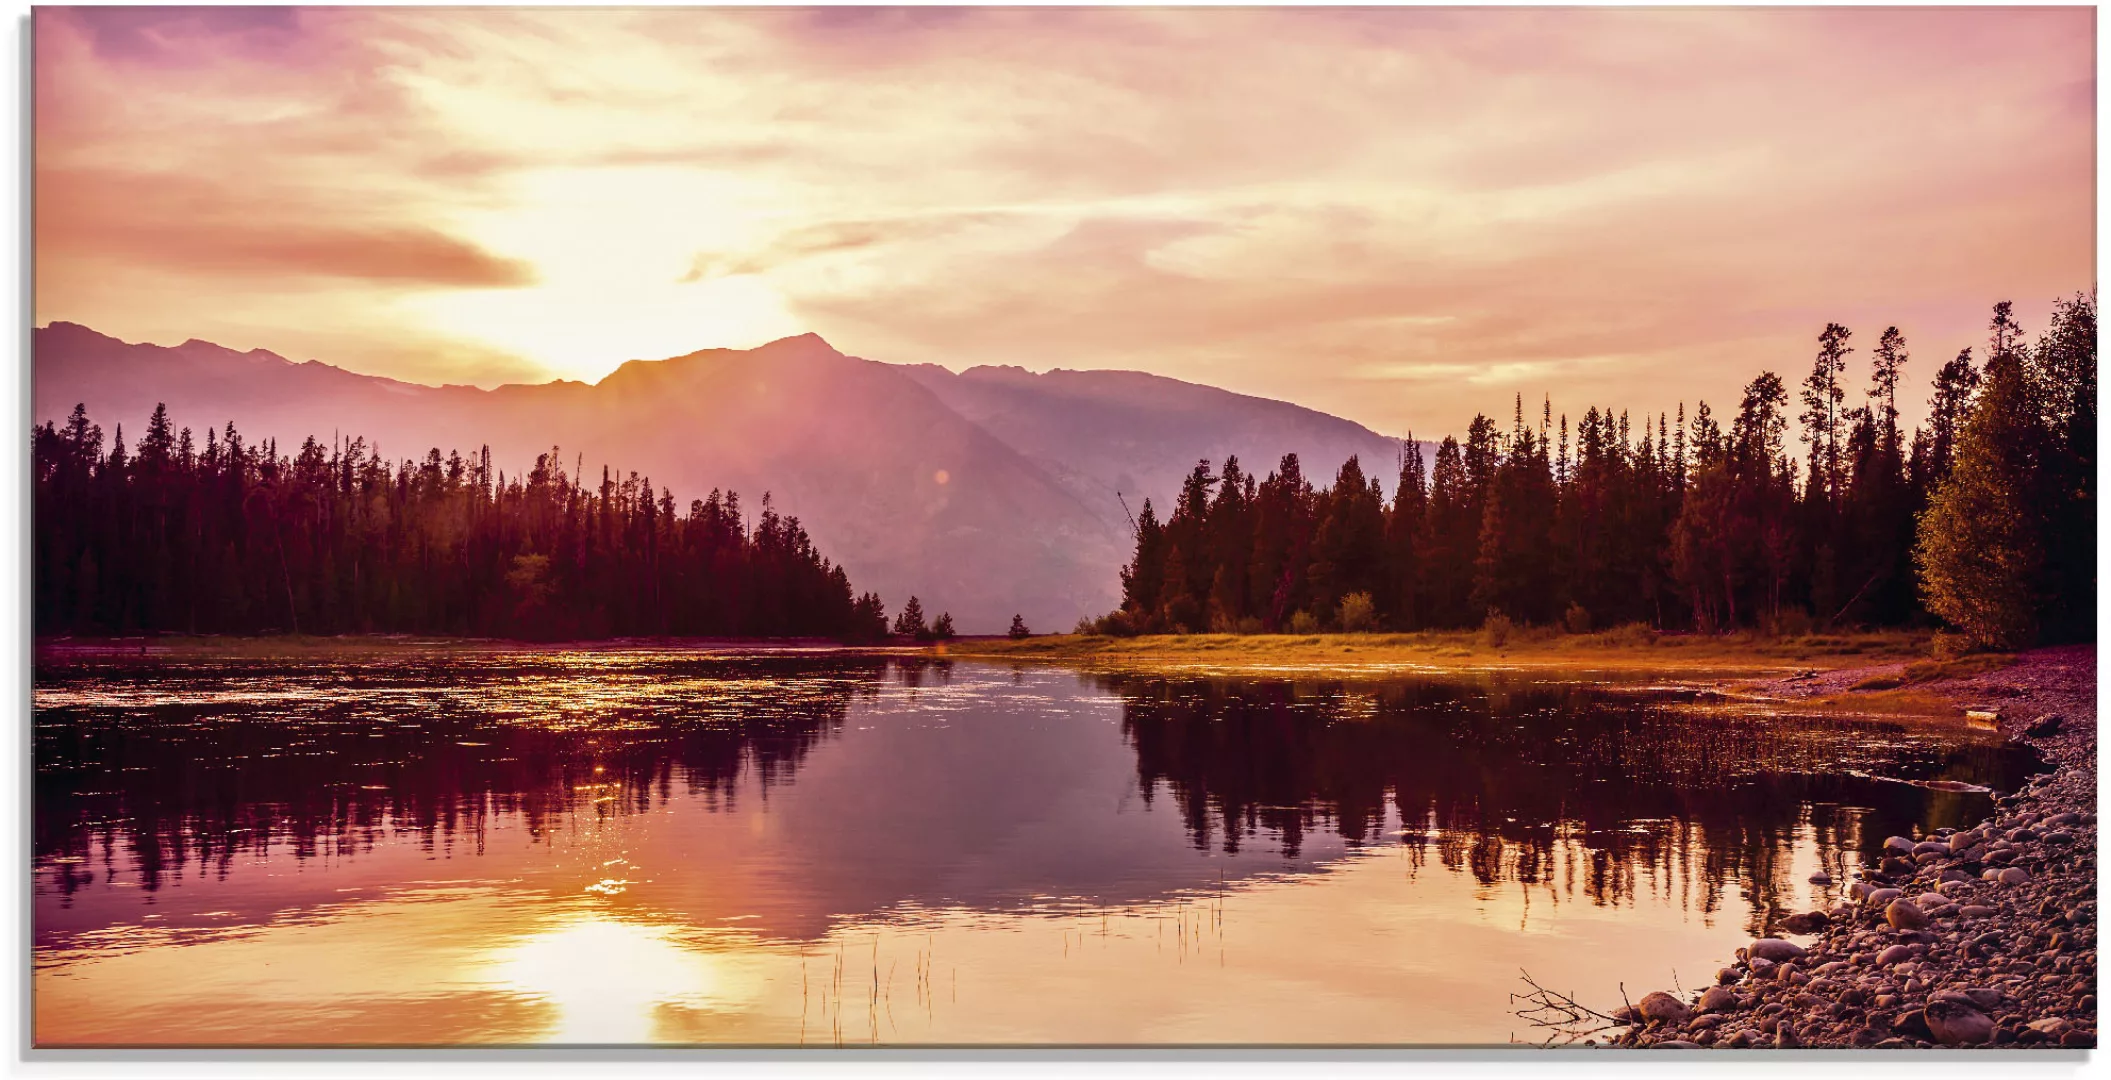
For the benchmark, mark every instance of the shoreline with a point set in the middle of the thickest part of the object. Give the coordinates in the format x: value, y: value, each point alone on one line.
x: 1900, y: 658
x: 228, y: 646
x: 1981, y: 937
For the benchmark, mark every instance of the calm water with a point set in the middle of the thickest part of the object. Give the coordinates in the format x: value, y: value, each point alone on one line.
x: 627, y: 846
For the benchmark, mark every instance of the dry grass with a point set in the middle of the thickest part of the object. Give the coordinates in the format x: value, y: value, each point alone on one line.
x: 1958, y: 668
x: 1901, y: 702
x: 1632, y: 648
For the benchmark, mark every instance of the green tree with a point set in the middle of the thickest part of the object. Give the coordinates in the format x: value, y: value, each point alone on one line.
x: 942, y: 629
x: 1954, y: 386
x: 909, y: 622
x: 1403, y: 533
x: 1822, y: 394
x: 2063, y: 369
x: 1981, y: 551
x: 1358, y: 613
x: 1019, y: 629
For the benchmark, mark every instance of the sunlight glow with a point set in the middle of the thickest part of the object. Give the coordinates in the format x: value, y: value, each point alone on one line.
x: 613, y: 251
x: 608, y: 977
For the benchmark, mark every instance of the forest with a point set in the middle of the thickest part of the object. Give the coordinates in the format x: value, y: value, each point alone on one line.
x: 235, y: 538
x: 1980, y: 522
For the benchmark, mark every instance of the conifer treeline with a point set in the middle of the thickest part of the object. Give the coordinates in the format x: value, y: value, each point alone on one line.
x: 1675, y: 523
x: 232, y: 537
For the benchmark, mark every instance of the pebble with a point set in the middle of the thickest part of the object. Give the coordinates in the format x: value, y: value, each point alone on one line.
x: 1776, y: 950
x: 1658, y: 1005
x: 1957, y: 1024
x: 1896, y: 954
x: 1904, y: 914
x: 1980, y: 936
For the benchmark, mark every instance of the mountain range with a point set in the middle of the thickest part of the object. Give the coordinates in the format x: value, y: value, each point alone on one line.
x: 987, y: 493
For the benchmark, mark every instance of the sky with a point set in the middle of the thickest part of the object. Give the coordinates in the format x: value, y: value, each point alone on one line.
x: 1399, y: 216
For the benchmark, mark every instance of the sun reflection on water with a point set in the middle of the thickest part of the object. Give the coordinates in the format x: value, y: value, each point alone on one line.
x: 608, y: 977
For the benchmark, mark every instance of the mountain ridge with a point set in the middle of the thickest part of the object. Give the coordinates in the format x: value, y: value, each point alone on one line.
x: 986, y: 493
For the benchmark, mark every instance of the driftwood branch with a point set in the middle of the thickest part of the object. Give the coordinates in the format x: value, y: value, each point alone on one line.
x: 1851, y: 600
x: 1564, y: 1018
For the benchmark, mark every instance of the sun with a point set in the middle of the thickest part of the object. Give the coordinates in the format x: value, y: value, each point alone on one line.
x: 612, y: 251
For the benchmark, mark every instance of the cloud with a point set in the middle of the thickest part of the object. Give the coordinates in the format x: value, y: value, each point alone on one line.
x: 1400, y: 215
x: 166, y: 34
x: 197, y: 226
x: 833, y: 238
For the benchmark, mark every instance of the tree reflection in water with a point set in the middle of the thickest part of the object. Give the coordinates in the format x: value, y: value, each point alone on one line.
x: 166, y: 770
x: 421, y: 752
x: 1580, y: 790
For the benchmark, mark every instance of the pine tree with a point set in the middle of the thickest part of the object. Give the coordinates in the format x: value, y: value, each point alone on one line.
x: 1822, y: 395
x: 2063, y: 368
x: 942, y: 629
x: 1018, y: 629
x: 1403, y: 533
x: 1954, y: 386
x: 1981, y: 547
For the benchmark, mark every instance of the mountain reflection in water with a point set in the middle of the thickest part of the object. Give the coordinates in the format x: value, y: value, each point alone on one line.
x: 712, y: 808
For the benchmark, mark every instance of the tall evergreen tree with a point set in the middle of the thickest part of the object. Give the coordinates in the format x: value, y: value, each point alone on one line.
x: 1981, y: 549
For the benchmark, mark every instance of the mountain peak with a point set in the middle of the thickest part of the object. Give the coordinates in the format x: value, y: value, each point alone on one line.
x: 808, y: 342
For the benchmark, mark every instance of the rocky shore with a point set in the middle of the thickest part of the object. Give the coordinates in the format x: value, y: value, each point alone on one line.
x: 1982, y: 937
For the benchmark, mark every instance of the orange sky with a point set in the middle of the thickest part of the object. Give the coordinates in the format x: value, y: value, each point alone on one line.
x: 1399, y: 216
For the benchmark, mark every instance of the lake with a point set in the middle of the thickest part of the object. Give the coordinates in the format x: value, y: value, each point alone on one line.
x: 823, y: 848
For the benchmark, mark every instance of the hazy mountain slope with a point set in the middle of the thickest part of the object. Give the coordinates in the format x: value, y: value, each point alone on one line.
x: 1102, y: 432
x: 855, y: 449
x: 1023, y: 520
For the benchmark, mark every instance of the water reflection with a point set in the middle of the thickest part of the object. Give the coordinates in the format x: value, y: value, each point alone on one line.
x: 1582, y: 788
x: 634, y: 846
x: 180, y: 765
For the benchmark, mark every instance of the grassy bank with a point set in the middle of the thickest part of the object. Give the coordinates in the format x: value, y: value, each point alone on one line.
x: 1630, y: 649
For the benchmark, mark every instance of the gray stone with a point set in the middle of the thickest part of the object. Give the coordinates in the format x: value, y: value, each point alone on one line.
x: 1717, y: 999
x: 1904, y: 914
x: 1896, y: 954
x: 1775, y: 950
x: 1807, y: 922
x: 2014, y: 875
x: 1984, y: 997
x: 1957, y: 1024
x: 1898, y: 845
x: 1658, y: 1005
x: 2048, y: 724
